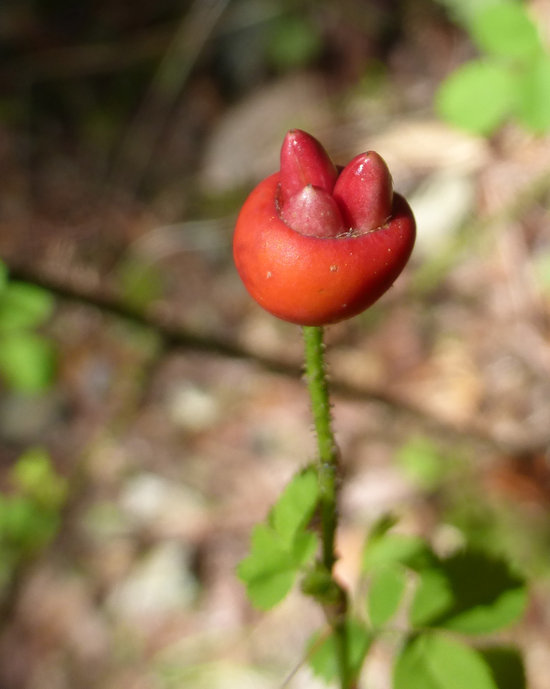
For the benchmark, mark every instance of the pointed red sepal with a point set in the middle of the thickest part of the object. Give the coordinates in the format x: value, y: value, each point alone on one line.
x: 313, y: 212
x: 364, y: 192
x: 304, y: 161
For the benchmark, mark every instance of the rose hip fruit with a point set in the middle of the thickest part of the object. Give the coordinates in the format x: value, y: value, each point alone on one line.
x: 314, y: 246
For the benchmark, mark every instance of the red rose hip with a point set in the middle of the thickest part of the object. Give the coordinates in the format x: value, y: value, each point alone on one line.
x: 315, y: 247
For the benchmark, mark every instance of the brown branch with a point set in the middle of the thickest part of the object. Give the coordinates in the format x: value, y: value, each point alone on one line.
x: 76, y: 287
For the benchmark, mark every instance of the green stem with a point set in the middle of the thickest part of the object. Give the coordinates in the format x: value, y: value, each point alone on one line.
x: 327, y: 470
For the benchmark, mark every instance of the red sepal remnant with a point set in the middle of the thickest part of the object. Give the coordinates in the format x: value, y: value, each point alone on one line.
x: 304, y: 161
x: 313, y: 211
x: 364, y: 192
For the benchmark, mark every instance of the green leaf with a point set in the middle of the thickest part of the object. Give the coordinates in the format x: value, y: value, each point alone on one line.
x: 504, y: 29
x: 533, y: 103
x: 268, y: 571
x: 392, y: 548
x: 432, y: 598
x: 27, y: 361
x: 432, y: 661
x: 280, y: 548
x: 269, y: 588
x: 322, y: 652
x: 24, y: 306
x: 294, y: 508
x: 385, y: 593
x: 506, y: 666
x: 477, y: 97
x: 470, y: 592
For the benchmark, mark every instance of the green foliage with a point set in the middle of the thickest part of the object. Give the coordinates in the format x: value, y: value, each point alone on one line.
x: 504, y: 29
x: 470, y: 592
x: 386, y: 590
x: 322, y: 651
x: 282, y: 547
x: 506, y: 666
x: 30, y: 515
x: 478, y: 96
x: 511, y: 79
x: 386, y: 549
x: 533, y: 104
x: 435, y: 661
x: 27, y: 359
x: 23, y: 305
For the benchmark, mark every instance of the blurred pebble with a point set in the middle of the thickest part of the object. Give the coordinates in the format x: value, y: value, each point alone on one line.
x: 163, y: 507
x: 160, y: 583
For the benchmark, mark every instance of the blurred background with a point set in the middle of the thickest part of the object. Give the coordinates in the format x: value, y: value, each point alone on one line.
x: 150, y: 412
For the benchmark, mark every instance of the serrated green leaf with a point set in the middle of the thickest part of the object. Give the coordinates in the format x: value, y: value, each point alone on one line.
x: 478, y: 96
x: 533, y: 103
x: 391, y: 548
x: 280, y: 548
x: 24, y: 306
x: 294, y: 508
x: 266, y: 552
x: 470, y: 592
x: 385, y: 593
x: 433, y: 661
x: 504, y: 29
x: 322, y: 651
x: 269, y: 589
x: 268, y: 571
x: 27, y: 361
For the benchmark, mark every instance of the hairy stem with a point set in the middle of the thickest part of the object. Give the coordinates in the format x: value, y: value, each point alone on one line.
x: 327, y: 471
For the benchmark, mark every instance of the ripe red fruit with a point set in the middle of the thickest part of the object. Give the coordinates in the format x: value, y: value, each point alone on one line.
x: 315, y: 247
